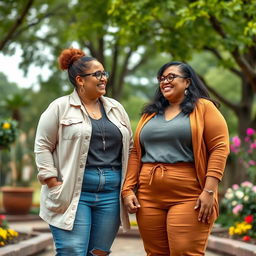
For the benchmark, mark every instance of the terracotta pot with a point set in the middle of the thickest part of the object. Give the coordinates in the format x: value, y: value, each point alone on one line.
x: 17, y: 200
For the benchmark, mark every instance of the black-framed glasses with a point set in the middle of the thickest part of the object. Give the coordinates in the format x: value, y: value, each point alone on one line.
x: 170, y: 77
x: 97, y: 74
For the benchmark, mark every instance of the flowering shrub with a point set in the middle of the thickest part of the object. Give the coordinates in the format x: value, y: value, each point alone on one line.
x: 8, y: 132
x: 7, y: 235
x: 246, y: 151
x: 240, y: 204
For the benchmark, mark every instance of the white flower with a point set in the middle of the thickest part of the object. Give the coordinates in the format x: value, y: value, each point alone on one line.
x: 234, y: 203
x: 229, y: 190
x: 229, y: 195
x: 239, y: 194
x: 246, y: 198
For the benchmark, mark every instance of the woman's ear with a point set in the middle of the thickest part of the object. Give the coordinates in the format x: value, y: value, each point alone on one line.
x: 79, y: 81
x: 188, y: 82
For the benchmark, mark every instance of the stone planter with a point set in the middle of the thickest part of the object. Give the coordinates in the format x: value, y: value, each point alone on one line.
x: 37, y: 243
x: 231, y: 247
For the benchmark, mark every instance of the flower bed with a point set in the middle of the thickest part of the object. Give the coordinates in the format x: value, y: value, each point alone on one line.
x: 239, y: 212
x: 7, y: 235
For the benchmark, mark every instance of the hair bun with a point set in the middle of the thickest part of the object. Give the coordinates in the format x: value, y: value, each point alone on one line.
x: 68, y: 57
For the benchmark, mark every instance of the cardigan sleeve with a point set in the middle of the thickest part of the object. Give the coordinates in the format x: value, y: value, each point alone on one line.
x: 134, y: 164
x: 216, y: 138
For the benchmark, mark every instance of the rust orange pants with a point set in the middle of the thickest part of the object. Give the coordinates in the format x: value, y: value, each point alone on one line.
x: 167, y: 220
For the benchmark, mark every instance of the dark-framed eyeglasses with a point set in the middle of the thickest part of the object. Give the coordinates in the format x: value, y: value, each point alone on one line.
x: 97, y: 74
x: 170, y: 77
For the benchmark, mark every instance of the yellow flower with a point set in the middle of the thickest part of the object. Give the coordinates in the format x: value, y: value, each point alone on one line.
x: 12, y: 232
x: 3, y: 233
x: 6, y: 126
x: 231, y: 231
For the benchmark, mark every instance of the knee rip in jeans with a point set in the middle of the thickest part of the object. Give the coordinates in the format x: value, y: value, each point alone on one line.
x: 98, y: 252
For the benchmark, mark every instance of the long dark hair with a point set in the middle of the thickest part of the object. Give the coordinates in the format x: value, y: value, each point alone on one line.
x: 195, y: 91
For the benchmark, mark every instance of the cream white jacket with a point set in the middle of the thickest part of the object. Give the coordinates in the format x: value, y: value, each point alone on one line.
x: 61, y: 148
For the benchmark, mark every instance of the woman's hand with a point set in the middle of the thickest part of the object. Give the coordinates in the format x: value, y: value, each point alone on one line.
x: 52, y: 182
x: 131, y: 203
x: 205, y: 204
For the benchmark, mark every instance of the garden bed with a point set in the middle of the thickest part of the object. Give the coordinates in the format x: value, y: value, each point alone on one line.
x: 29, y: 244
x: 221, y: 242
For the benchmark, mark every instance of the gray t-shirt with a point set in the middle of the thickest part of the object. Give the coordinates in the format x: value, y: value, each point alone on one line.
x: 104, y: 129
x: 167, y: 141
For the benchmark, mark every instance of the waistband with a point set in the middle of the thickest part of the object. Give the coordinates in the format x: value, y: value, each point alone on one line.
x: 104, y: 167
x: 164, y: 166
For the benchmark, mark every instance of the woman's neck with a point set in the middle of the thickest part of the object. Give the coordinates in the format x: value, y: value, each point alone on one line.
x: 89, y: 101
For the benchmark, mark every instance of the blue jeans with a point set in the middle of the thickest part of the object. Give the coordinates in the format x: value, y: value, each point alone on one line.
x: 97, y: 218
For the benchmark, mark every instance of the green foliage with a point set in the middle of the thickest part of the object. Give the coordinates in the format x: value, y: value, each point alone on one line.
x: 133, y: 107
x: 8, y: 132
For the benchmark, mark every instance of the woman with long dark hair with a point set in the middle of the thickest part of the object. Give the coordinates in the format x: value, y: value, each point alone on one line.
x: 180, y: 149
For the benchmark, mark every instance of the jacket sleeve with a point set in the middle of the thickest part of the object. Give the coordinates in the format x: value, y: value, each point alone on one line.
x: 45, y: 143
x: 216, y: 138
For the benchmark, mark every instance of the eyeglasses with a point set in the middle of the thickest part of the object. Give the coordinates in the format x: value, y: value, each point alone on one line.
x: 97, y: 74
x: 170, y: 77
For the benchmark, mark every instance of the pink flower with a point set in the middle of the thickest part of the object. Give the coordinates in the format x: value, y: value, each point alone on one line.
x: 247, y: 139
x: 254, y: 189
x: 235, y: 186
x: 238, y: 208
x: 252, y: 162
x: 250, y: 131
x: 236, y: 140
x: 234, y: 149
x: 246, y: 184
x: 253, y: 145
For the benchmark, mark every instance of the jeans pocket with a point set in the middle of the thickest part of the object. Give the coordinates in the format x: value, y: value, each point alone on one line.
x: 55, y: 201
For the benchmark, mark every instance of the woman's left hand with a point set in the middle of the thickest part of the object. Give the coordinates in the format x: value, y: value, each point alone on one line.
x: 205, y: 204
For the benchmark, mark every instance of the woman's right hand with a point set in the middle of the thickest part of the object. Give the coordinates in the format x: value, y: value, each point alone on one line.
x: 131, y: 203
x: 52, y: 182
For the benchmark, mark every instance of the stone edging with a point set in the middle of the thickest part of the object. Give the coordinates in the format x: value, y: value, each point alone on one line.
x: 231, y: 247
x: 218, y: 244
x: 28, y: 247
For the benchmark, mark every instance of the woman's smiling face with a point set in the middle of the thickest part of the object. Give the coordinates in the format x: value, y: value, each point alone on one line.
x: 174, y: 91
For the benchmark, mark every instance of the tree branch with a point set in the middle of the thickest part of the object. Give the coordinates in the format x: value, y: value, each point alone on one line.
x: 112, y: 80
x: 16, y: 25
x: 124, y: 71
x: 247, y: 69
x: 218, y: 56
x: 228, y: 103
x: 49, y: 14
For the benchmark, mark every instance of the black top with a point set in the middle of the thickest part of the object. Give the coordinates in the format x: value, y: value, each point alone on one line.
x: 106, y: 143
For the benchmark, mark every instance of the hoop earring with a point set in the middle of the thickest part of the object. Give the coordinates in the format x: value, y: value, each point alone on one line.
x: 81, y: 90
x: 186, y: 92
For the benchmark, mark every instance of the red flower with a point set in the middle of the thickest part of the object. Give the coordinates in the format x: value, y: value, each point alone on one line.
x: 249, y: 219
x: 2, y: 217
x: 246, y: 238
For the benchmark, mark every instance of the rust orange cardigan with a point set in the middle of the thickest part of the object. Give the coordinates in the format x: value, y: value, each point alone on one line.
x: 210, y: 140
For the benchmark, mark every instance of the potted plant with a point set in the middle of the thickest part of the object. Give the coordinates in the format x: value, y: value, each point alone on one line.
x: 17, y: 198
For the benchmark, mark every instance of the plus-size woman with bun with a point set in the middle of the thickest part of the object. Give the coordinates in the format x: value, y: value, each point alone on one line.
x: 81, y: 147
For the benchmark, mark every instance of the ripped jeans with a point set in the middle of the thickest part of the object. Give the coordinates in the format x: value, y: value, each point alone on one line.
x: 97, y: 218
